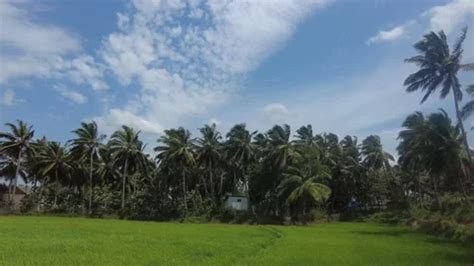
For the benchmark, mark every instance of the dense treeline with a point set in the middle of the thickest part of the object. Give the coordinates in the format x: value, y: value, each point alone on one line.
x: 284, y: 174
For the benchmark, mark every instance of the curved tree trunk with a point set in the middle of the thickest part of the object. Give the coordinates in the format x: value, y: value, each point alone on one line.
x: 17, y: 172
x: 90, y: 181
x: 461, y: 126
x: 464, y: 135
x: 124, y: 177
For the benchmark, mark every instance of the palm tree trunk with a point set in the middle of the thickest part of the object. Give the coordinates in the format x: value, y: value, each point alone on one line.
x: 184, y: 193
x: 211, y: 183
x: 206, y: 193
x: 124, y: 177
x: 221, y: 181
x: 463, y: 132
x: 38, y: 200
x: 436, y: 193
x: 17, y: 172
x: 10, y: 189
x: 90, y: 181
x: 56, y: 190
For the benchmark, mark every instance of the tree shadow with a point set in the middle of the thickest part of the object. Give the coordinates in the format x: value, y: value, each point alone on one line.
x: 393, y: 233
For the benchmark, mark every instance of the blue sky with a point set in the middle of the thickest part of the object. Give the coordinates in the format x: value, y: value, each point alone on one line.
x: 152, y: 64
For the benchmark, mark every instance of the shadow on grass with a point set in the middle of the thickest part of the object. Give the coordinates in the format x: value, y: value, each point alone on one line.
x: 394, y: 233
x: 464, y: 253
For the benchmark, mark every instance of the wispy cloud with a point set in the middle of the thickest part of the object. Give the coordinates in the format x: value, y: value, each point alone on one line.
x: 32, y: 49
x: 388, y: 35
x: 392, y: 34
x: 9, y: 98
x: 189, y: 56
x: 451, y: 16
x: 71, y: 94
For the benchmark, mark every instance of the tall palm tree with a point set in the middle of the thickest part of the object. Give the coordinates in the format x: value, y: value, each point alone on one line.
x: 432, y: 145
x: 305, y: 137
x: 15, y: 144
x: 439, y: 67
x: 127, y: 151
x: 240, y: 150
x: 209, y: 153
x: 283, y: 152
x: 55, y: 161
x: 374, y: 156
x: 176, y: 149
x: 87, y: 144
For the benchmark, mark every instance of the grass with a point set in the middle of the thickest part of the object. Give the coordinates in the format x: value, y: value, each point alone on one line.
x: 79, y: 241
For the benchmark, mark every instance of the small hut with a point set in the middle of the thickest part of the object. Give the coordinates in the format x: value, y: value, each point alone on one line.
x: 236, y: 202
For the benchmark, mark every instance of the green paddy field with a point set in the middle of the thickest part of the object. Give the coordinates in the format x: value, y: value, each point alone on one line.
x: 81, y: 241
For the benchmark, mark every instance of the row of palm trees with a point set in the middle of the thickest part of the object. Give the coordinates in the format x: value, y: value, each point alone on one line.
x: 282, y: 174
x: 267, y: 167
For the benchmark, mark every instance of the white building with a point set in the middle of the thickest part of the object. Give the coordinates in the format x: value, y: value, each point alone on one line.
x: 237, y: 203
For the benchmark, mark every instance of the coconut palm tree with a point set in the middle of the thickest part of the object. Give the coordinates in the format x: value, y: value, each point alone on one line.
x: 432, y: 145
x: 209, y: 153
x: 176, y: 150
x: 15, y: 144
x: 54, y: 161
x: 374, y: 156
x: 439, y: 67
x: 305, y: 137
x: 299, y: 188
x: 283, y: 152
x: 127, y: 152
x: 240, y: 150
x: 87, y: 144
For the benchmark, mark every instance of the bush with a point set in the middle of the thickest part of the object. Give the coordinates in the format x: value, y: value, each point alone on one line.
x: 449, y: 229
x: 318, y: 215
x: 27, y: 203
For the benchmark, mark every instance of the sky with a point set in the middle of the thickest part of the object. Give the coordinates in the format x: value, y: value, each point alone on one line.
x: 157, y: 64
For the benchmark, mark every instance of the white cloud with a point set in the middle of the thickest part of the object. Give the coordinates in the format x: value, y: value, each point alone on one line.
x: 9, y: 98
x: 20, y: 33
x: 275, y: 113
x: 71, y: 95
x: 184, y: 67
x: 32, y: 49
x: 389, y: 35
x: 395, y: 33
x: 116, y: 117
x: 451, y: 16
x: 84, y: 70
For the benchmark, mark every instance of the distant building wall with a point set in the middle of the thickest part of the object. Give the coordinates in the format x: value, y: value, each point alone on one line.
x: 237, y: 203
x: 19, y: 195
